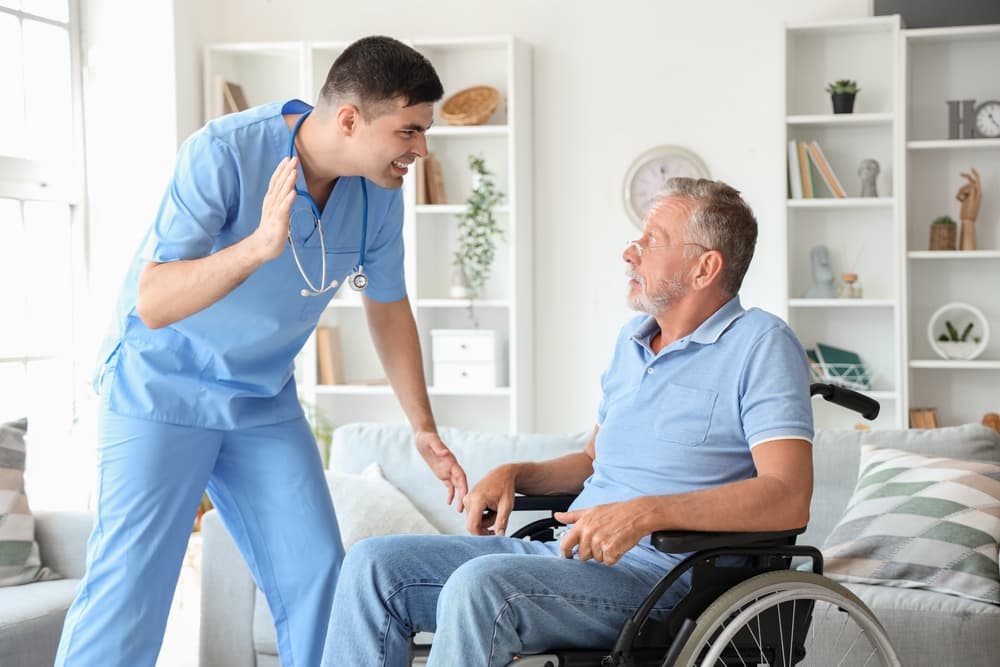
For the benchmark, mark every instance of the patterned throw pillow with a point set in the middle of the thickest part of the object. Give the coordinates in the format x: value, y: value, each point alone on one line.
x: 19, y: 559
x: 920, y: 522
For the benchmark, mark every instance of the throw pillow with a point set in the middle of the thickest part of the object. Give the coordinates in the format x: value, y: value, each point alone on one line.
x: 920, y: 522
x: 19, y: 558
x: 368, y: 505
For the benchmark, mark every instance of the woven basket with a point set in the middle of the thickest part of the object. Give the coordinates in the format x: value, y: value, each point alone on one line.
x: 472, y: 106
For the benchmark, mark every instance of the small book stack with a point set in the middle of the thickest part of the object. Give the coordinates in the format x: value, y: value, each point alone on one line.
x: 802, y: 158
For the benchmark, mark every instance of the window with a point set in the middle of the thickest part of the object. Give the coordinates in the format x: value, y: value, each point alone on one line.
x: 43, y: 273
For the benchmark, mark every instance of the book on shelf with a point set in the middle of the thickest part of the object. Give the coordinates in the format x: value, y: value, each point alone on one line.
x: 233, y: 98
x: 329, y: 356
x: 825, y: 170
x: 805, y: 173
x: 420, y: 180
x: 435, y: 181
x: 794, y: 179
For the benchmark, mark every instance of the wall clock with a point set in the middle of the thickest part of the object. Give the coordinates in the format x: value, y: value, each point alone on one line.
x: 651, y: 170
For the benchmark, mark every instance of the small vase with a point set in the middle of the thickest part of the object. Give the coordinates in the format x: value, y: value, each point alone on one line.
x: 942, y: 236
x: 459, y: 284
x: 843, y: 102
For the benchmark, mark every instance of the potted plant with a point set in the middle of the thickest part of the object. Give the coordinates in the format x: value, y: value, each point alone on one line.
x: 958, y: 345
x: 943, y: 233
x: 478, y: 232
x: 842, y: 92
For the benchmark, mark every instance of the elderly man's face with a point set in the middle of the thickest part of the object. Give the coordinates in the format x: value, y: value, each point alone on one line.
x: 659, y: 261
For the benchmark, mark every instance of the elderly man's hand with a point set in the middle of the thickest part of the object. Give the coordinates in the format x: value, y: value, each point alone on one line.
x: 605, y: 532
x: 491, y: 501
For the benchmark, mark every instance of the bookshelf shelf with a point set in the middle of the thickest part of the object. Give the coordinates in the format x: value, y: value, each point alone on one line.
x: 451, y: 209
x: 973, y: 365
x: 462, y: 303
x: 841, y: 303
x: 954, y: 254
x: 954, y: 144
x: 841, y: 119
x: 841, y: 202
x: 468, y: 131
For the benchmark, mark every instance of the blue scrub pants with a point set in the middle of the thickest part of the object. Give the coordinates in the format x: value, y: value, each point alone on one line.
x: 268, y: 485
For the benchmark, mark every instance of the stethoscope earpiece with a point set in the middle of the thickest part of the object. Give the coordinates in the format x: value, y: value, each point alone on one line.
x: 358, y: 280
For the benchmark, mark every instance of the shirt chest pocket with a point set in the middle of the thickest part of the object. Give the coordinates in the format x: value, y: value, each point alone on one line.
x: 683, y: 414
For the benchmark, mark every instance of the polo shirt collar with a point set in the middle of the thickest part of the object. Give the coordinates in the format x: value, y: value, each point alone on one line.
x: 707, y: 333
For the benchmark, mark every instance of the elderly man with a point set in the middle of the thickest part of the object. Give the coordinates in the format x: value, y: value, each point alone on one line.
x: 704, y: 424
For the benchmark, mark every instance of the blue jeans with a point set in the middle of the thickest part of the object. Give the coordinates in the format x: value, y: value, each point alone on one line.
x: 487, y: 599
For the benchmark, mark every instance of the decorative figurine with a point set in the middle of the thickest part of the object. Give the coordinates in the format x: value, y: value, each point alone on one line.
x: 969, y: 195
x: 868, y: 171
x: 823, y: 287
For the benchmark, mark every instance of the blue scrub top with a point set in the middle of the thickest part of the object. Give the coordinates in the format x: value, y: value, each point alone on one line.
x: 686, y: 418
x: 231, y: 364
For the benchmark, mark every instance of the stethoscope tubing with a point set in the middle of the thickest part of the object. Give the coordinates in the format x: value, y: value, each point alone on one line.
x: 357, y: 278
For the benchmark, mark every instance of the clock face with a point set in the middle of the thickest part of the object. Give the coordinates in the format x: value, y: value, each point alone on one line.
x: 651, y: 170
x: 988, y: 119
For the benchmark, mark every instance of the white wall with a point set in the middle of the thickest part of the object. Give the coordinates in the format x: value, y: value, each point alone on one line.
x: 611, y: 79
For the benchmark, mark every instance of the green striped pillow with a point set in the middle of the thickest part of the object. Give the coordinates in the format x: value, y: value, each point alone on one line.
x: 920, y: 522
x: 19, y: 559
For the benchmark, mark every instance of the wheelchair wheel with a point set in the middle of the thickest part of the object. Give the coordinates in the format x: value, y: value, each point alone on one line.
x: 787, y: 618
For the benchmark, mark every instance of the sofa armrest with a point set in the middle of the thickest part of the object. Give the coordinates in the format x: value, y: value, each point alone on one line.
x: 227, y: 599
x: 62, y: 541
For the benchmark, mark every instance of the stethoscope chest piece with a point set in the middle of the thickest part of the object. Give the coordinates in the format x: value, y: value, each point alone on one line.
x: 358, y: 280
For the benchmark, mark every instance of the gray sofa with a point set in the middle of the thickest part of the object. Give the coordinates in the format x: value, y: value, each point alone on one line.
x: 927, y: 628
x: 31, y: 616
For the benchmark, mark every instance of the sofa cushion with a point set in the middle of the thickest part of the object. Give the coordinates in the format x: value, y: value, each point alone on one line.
x: 367, y: 505
x: 920, y: 522
x: 20, y: 562
x: 836, y: 454
x: 356, y: 445
x: 31, y: 619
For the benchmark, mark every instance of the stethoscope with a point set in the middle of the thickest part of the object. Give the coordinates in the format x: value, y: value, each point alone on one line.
x: 356, y: 278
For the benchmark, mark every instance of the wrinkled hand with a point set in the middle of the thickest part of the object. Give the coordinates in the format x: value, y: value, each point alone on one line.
x: 443, y: 464
x: 490, y: 502
x: 272, y: 233
x: 604, y: 532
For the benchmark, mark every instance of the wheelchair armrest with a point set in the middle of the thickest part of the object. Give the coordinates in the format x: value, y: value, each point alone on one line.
x: 544, y: 503
x: 683, y: 541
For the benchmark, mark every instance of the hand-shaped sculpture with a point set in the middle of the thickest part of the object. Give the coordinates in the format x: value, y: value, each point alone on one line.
x: 969, y: 194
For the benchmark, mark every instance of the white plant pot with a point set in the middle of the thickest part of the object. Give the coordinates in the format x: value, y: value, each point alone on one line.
x: 958, y: 350
x: 960, y: 315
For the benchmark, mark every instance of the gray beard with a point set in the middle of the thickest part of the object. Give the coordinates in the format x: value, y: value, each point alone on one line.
x: 668, y: 292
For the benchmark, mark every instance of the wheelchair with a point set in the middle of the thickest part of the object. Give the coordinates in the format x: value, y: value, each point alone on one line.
x: 745, y: 605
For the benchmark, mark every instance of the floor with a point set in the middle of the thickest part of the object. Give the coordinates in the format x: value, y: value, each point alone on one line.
x: 180, y: 641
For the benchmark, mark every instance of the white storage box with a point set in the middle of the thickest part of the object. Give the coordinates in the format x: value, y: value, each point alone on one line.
x: 464, y: 358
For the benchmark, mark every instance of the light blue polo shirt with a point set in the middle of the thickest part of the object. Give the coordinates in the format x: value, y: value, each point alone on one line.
x: 686, y: 418
x: 231, y: 364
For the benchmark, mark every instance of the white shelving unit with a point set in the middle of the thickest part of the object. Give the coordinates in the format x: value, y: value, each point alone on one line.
x: 901, y: 120
x: 950, y: 64
x: 271, y: 72
x: 861, y: 233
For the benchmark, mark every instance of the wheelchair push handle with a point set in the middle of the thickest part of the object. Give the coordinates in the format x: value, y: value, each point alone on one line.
x: 846, y: 398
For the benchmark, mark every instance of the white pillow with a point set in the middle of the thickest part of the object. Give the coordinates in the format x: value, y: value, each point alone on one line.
x: 368, y: 505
